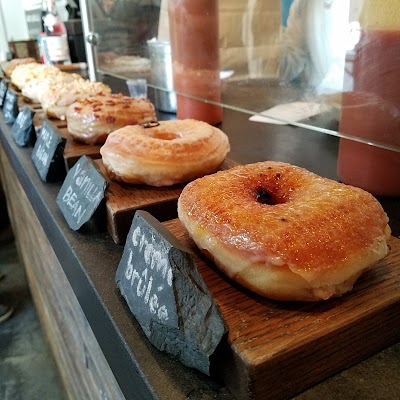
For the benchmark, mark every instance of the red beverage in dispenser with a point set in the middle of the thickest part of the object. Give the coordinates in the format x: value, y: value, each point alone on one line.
x: 372, y: 110
x: 195, y: 58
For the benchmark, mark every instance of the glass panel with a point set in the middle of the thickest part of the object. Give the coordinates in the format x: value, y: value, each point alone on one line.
x: 327, y: 65
x: 123, y: 28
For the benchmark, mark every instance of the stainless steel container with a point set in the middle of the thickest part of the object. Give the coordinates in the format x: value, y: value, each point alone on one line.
x: 161, y: 75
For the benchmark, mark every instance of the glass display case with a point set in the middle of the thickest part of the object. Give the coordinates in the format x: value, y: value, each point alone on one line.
x: 326, y: 65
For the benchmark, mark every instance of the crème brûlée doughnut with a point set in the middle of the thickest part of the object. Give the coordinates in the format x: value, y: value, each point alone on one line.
x: 91, y: 119
x: 172, y: 152
x: 284, y: 232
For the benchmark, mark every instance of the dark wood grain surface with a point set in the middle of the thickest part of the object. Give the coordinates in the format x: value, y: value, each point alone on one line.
x: 81, y: 363
x: 304, y: 342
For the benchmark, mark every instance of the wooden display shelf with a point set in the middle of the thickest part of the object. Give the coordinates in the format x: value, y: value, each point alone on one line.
x: 81, y: 363
x: 279, y: 349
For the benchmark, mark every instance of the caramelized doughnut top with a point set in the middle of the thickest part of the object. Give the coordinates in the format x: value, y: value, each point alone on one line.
x: 286, y: 215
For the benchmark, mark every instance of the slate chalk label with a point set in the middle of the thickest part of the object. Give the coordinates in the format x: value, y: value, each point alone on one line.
x: 160, y: 282
x: 10, y: 107
x: 47, y: 154
x: 81, y: 193
x: 23, y: 131
x: 3, y: 91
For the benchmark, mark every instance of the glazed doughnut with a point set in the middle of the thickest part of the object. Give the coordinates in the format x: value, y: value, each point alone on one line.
x: 284, y: 232
x: 57, y: 97
x: 33, y: 89
x: 91, y: 120
x: 12, y: 64
x: 24, y: 73
x: 170, y: 153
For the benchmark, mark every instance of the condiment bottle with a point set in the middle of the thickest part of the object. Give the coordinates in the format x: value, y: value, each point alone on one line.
x: 53, y: 41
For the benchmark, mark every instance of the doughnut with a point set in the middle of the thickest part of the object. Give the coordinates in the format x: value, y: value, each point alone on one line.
x: 284, y: 232
x: 33, y: 88
x: 124, y: 64
x: 91, y: 120
x: 12, y: 64
x: 24, y: 73
x: 170, y: 153
x: 57, y: 97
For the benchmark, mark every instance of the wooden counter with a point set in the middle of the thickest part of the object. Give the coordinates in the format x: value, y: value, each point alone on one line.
x: 100, y: 349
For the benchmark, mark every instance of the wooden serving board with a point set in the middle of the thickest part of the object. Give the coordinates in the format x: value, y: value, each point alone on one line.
x: 24, y: 101
x: 123, y: 200
x: 73, y: 150
x: 41, y: 115
x: 276, y: 350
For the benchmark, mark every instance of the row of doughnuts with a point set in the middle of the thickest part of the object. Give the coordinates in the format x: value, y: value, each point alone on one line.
x: 277, y: 229
x: 54, y: 89
x: 135, y: 152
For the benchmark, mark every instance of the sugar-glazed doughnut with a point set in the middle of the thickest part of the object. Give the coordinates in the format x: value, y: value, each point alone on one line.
x: 172, y: 152
x: 283, y: 231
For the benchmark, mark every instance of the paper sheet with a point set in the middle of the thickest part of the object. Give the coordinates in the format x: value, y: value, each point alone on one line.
x: 290, y: 112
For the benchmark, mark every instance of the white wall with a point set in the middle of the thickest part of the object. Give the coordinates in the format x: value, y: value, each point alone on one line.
x: 3, y: 37
x: 14, y: 16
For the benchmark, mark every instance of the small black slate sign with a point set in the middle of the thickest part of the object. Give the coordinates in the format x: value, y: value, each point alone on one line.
x: 47, y: 154
x: 3, y: 91
x: 159, y: 280
x: 81, y: 193
x: 10, y: 107
x: 23, y: 131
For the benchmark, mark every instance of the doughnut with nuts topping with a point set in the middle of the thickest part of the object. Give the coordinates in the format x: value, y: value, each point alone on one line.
x: 91, y: 119
x: 284, y: 232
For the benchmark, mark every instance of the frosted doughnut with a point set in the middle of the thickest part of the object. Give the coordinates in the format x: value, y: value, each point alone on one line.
x: 169, y: 153
x: 283, y: 231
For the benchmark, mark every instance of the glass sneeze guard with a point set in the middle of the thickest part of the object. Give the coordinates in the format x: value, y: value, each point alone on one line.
x: 326, y: 65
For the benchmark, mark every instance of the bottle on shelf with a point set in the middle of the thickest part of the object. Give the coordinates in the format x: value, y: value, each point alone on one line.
x: 53, y: 41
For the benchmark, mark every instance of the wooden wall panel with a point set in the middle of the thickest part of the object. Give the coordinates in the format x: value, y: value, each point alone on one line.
x: 81, y: 363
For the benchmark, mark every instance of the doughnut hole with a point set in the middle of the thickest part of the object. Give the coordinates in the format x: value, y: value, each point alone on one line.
x: 163, y: 135
x: 269, y: 197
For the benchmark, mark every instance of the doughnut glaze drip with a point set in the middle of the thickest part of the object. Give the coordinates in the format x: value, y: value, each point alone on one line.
x: 312, y: 235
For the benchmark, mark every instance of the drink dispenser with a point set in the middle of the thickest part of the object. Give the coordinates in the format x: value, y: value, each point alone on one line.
x: 195, y: 58
x: 371, y: 111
